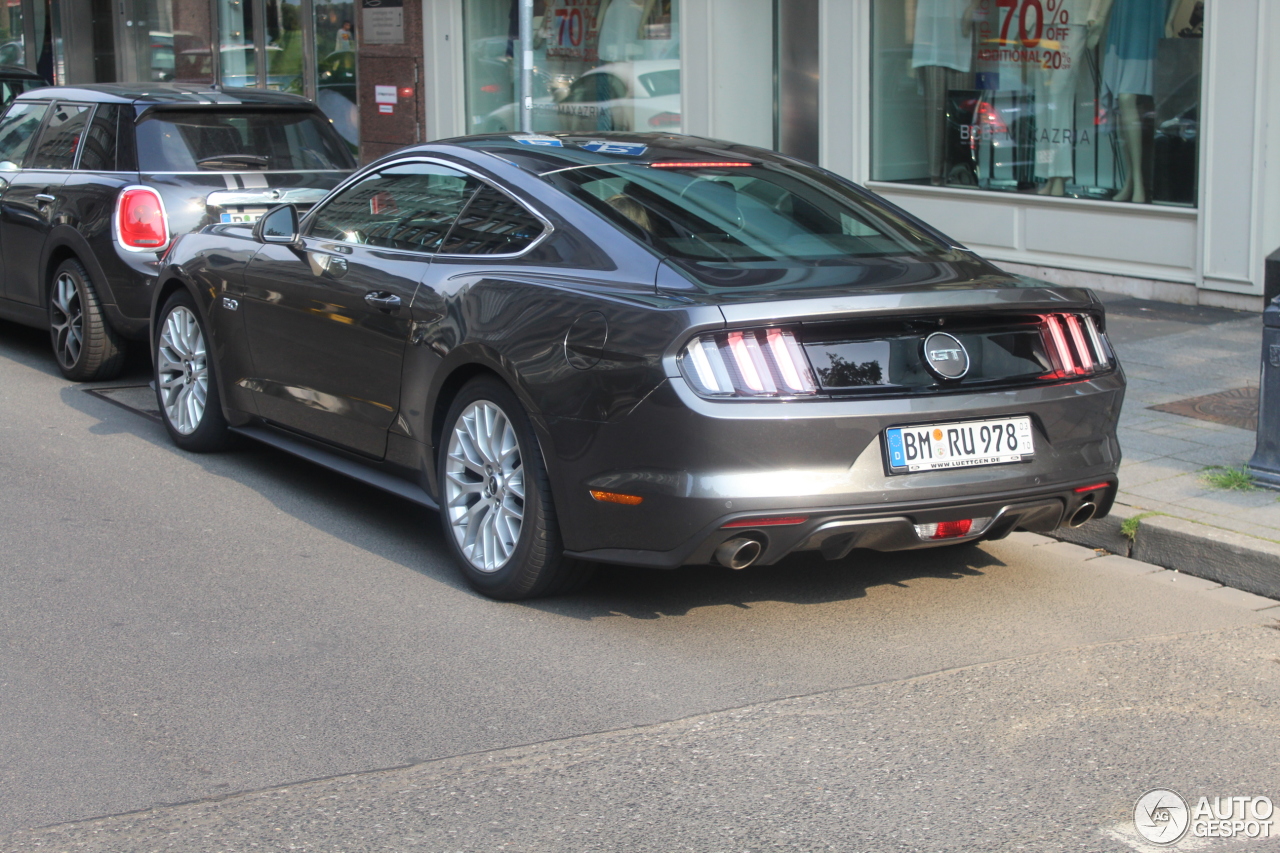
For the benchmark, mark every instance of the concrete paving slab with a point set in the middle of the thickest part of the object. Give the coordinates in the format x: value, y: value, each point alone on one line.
x: 1116, y: 563
x: 1071, y: 551
x: 1243, y: 599
x: 1184, y: 580
x: 1231, y: 559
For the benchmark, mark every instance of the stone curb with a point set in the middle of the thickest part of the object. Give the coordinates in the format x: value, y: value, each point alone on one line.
x: 1231, y: 559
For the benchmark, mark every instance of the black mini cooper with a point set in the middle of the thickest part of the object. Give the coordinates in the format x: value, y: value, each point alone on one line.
x: 645, y: 349
x: 96, y: 181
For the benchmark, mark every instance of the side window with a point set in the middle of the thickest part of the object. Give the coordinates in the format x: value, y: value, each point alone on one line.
x: 409, y: 207
x: 492, y: 224
x: 56, y: 148
x: 99, y: 148
x: 17, y: 127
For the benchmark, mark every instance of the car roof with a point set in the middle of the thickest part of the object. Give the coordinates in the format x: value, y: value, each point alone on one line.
x: 17, y: 71
x: 546, y: 152
x: 163, y: 93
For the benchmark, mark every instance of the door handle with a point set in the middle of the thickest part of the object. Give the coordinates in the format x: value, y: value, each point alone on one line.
x: 45, y: 197
x: 388, y: 303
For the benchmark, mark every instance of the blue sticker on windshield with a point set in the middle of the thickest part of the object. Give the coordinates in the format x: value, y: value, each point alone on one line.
x: 535, y: 139
x: 626, y: 149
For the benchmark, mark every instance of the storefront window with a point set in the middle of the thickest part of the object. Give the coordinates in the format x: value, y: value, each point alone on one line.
x: 336, y: 66
x: 1092, y: 99
x: 11, y: 35
x: 598, y: 65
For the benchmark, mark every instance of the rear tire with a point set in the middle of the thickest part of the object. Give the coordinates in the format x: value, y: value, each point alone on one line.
x: 496, y: 507
x: 186, y: 387
x: 85, y: 345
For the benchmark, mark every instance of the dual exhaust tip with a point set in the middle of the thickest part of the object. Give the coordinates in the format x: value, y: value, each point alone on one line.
x: 739, y: 552
x: 1086, y: 511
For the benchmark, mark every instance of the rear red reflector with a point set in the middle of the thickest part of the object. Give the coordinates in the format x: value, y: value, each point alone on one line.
x: 952, y: 529
x: 617, y: 498
x: 698, y: 164
x: 1094, y: 488
x: 774, y: 521
x: 141, y: 223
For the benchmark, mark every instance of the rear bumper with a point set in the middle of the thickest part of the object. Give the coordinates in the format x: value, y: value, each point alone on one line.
x: 835, y: 532
x: 700, y: 464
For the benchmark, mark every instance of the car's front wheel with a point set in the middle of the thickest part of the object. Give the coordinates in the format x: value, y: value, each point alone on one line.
x: 496, y: 503
x: 86, y: 346
x: 184, y: 378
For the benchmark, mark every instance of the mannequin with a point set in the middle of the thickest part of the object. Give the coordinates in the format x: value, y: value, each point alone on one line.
x: 942, y: 53
x: 1136, y: 27
x: 1055, y: 102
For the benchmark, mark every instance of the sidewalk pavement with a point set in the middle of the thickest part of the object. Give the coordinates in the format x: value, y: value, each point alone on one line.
x: 1200, y: 366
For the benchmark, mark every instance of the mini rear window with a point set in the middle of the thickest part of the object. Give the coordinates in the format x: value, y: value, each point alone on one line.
x: 240, y: 140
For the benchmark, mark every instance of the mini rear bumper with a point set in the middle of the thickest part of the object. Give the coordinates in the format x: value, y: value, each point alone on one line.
x: 835, y: 532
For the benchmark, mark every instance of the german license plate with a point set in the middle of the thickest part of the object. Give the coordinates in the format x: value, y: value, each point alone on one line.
x: 930, y: 447
x: 248, y: 217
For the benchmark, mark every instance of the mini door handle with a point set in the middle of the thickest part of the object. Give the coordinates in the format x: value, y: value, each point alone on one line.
x: 45, y: 197
x: 383, y: 301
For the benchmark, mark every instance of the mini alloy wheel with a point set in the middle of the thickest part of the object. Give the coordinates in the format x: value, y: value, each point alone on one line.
x: 185, y: 388
x: 87, y: 348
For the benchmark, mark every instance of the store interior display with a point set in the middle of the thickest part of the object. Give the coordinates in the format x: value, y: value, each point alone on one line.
x: 1095, y: 99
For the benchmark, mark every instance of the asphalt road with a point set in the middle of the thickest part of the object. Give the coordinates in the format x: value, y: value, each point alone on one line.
x: 186, y: 640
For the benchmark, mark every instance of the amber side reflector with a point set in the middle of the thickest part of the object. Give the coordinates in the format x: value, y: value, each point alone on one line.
x: 774, y: 521
x: 1095, y: 487
x: 616, y: 498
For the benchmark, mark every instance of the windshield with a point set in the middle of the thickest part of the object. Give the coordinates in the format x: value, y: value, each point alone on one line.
x: 239, y: 140
x: 760, y: 212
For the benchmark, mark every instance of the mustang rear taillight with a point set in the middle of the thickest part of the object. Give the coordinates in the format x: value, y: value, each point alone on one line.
x: 748, y: 363
x: 1075, y: 345
x: 141, y: 222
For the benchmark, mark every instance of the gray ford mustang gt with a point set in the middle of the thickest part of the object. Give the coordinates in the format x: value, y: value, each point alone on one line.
x: 643, y: 349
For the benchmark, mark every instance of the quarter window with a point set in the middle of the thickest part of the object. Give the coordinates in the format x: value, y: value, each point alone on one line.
x: 61, y: 136
x: 99, y: 154
x: 492, y: 224
x: 17, y: 127
x: 409, y: 207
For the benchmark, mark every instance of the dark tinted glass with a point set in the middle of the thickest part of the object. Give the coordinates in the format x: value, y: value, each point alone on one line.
x: 493, y: 224
x: 763, y: 212
x: 406, y: 207
x: 239, y: 140
x: 56, y: 148
x: 16, y: 129
x: 99, y: 154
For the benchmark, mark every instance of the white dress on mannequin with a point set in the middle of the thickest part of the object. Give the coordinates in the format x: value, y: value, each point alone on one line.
x: 1055, y: 94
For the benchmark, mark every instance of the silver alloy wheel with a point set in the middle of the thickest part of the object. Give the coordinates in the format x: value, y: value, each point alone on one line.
x: 182, y: 370
x: 484, y: 486
x: 67, y: 321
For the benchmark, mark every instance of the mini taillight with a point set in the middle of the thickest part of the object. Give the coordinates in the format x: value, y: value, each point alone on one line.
x: 748, y: 363
x: 141, y: 222
x: 665, y: 121
x: 1075, y: 345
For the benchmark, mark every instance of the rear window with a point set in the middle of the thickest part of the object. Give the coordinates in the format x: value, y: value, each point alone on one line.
x: 239, y: 140
x: 756, y: 213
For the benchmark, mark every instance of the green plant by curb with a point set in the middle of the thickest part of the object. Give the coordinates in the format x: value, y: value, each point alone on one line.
x: 1230, y: 479
x: 1129, y: 527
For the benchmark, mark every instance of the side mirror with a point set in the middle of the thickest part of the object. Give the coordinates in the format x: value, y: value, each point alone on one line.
x: 9, y: 166
x: 277, y: 225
